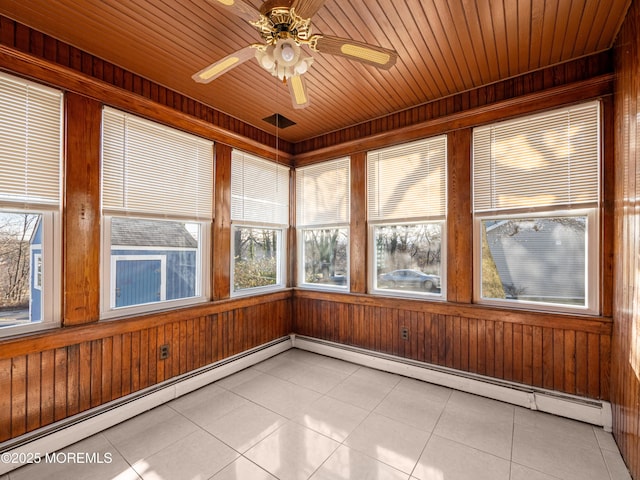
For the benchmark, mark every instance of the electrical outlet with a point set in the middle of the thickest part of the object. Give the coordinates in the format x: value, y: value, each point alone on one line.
x: 164, y: 351
x: 404, y: 333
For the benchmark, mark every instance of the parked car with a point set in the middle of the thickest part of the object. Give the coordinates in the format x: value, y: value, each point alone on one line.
x: 408, y: 278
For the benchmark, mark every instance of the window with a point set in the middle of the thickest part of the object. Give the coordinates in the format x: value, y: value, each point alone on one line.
x: 157, y: 215
x: 536, y: 196
x: 407, y: 203
x: 30, y: 176
x: 259, y: 217
x: 322, y: 213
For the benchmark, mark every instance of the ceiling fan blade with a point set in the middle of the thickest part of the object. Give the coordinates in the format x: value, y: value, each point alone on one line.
x: 225, y: 64
x: 306, y: 8
x: 298, y: 91
x: 240, y: 8
x: 354, y: 50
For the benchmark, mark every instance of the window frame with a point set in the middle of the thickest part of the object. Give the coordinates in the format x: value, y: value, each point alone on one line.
x: 281, y: 269
x: 202, y: 285
x: 125, y: 194
x: 51, y: 272
x: 588, y: 209
x: 44, y: 200
x: 302, y: 266
x: 592, y: 264
x: 425, y: 216
x: 334, y: 222
x: 245, y: 216
x: 373, y: 275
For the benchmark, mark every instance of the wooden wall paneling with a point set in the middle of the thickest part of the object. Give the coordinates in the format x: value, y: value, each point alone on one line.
x: 18, y: 395
x: 604, y: 378
x: 60, y: 388
x: 581, y: 363
x: 47, y: 386
x: 507, y: 351
x: 160, y: 364
x: 34, y: 406
x: 107, y: 369
x: 220, y: 326
x: 513, y: 347
x: 493, y: 350
x: 183, y: 351
x: 459, y: 227
x: 135, y: 361
x: 517, y: 354
x: 221, y: 271
x: 569, y: 361
x: 607, y: 229
x: 95, y: 375
x: 144, y: 357
x: 547, y: 358
x: 558, y: 358
x: 84, y: 376
x: 174, y: 349
x: 73, y: 379
x: 473, y: 347
x: 126, y: 364
x: 116, y: 367
x: 39, y: 388
x: 358, y: 225
x: 594, y: 362
x: 526, y: 366
x: 82, y: 214
x: 537, y: 363
x: 5, y: 399
x: 499, y: 349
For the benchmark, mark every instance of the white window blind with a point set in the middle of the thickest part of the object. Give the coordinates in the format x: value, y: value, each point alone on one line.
x: 150, y: 169
x: 408, y: 181
x: 550, y: 159
x: 30, y: 142
x: 259, y: 190
x: 323, y: 194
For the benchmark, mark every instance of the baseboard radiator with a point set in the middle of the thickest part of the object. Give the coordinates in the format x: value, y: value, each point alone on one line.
x: 66, y: 432
x: 586, y: 410
x: 73, y: 429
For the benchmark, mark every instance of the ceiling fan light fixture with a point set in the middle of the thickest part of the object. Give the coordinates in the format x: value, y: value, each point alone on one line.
x: 301, y: 67
x: 265, y: 58
x: 364, y: 53
x: 287, y: 53
x: 285, y: 27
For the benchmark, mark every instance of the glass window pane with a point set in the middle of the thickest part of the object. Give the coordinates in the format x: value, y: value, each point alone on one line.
x: 153, y: 261
x: 256, y: 257
x: 408, y: 257
x: 325, y: 256
x: 535, y: 259
x: 20, y: 268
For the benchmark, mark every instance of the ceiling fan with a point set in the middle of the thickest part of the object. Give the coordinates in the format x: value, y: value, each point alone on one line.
x: 285, y: 26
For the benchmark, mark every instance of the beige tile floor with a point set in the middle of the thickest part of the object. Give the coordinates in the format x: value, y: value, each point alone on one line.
x: 300, y: 415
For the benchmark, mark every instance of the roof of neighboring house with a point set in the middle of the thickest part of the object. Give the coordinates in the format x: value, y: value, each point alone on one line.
x: 542, y: 257
x: 150, y: 233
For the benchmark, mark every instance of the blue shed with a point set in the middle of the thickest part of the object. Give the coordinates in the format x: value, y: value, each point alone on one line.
x: 151, y: 261
x: 35, y: 274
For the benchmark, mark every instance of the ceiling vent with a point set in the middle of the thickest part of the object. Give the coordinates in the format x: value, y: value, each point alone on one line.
x: 279, y: 121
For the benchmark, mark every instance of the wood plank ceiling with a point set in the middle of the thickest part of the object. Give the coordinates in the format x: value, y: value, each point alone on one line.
x: 444, y: 47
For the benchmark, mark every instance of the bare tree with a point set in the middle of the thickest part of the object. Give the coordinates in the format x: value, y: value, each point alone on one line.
x: 15, y: 235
